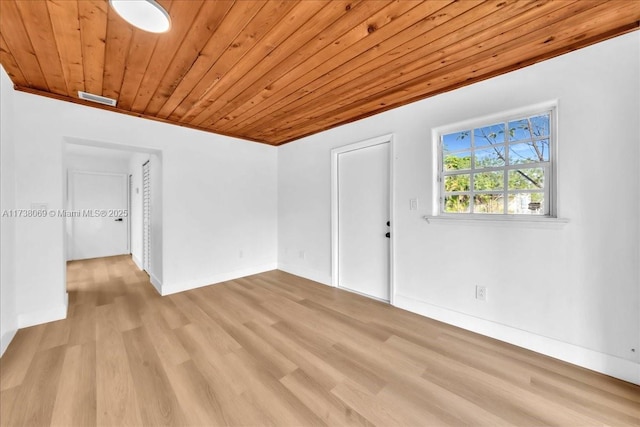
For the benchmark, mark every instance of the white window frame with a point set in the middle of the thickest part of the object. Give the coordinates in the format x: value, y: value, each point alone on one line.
x: 506, y: 116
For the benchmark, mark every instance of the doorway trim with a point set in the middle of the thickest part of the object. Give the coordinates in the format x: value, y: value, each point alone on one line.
x: 335, y: 267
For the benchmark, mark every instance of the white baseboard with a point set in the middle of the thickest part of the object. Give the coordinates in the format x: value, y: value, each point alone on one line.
x: 136, y: 261
x: 6, y: 339
x: 157, y: 283
x: 307, y: 273
x: 44, y: 316
x: 218, y: 278
x: 623, y: 369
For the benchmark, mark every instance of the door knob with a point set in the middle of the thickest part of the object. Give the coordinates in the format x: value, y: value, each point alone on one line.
x: 118, y: 219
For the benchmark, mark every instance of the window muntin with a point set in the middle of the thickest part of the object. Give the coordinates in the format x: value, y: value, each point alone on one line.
x: 503, y: 167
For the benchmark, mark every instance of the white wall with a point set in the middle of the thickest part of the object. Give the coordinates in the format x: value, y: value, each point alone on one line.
x: 569, y: 291
x: 218, y: 198
x: 8, y: 310
x: 96, y: 159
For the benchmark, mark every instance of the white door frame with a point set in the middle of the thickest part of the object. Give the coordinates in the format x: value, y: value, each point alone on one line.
x: 334, y: 207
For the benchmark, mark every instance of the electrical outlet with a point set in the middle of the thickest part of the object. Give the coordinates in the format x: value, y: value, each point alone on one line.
x: 481, y: 293
x: 413, y: 204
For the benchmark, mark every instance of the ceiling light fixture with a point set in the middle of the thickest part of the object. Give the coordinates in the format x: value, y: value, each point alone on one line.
x: 147, y: 15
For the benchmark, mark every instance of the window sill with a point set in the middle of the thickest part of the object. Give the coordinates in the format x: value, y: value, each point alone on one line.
x: 500, y: 221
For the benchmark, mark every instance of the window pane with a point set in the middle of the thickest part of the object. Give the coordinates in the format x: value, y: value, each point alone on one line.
x: 456, y: 204
x: 456, y: 183
x: 527, y: 203
x: 526, y: 179
x: 488, y: 203
x: 519, y: 130
x: 490, y: 157
x: 457, y: 161
x: 489, y: 135
x: 456, y: 141
x: 529, y: 152
x: 488, y: 181
x: 540, y: 125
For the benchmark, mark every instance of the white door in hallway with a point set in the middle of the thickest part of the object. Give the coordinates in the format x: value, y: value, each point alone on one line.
x: 101, y: 229
x: 363, y: 186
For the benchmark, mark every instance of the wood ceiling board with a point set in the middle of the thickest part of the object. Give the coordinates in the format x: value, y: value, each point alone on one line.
x: 376, y: 66
x: 354, y: 16
x: 10, y: 64
x: 183, y: 16
x: 240, y: 14
x: 66, y: 27
x: 19, y: 46
x: 233, y: 59
x: 276, y: 70
x: 306, y: 77
x: 119, y: 38
x: 476, y: 71
x: 208, y: 19
x: 360, y: 22
x: 44, y: 44
x: 298, y: 36
x: 431, y: 56
x: 366, y: 57
x: 490, y: 55
x: 93, y: 32
x: 141, y: 49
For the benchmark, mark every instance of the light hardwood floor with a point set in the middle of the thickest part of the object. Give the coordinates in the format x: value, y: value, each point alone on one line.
x: 276, y: 349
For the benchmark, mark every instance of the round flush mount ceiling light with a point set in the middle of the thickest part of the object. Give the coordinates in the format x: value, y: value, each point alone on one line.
x: 147, y: 15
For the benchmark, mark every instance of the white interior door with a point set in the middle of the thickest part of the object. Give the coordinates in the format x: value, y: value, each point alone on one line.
x: 100, y: 229
x: 363, y: 213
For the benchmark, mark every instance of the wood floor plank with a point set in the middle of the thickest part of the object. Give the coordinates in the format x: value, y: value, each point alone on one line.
x: 318, y: 368
x: 160, y: 406
x: 167, y: 346
x: 78, y: 377
x: 83, y: 324
x: 17, y: 359
x: 33, y: 405
x: 201, y: 403
x: 55, y: 334
x: 236, y: 409
x: 8, y: 402
x: 325, y: 405
x: 210, y: 330
x: 369, y: 406
x: 280, y: 406
x: 277, y: 349
x: 117, y: 403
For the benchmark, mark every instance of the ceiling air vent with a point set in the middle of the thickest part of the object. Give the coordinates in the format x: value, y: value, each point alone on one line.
x: 96, y: 98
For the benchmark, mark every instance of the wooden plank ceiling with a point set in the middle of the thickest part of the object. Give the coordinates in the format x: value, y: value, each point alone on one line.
x: 274, y: 71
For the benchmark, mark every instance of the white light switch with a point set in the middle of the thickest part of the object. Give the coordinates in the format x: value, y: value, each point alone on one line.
x: 413, y: 204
